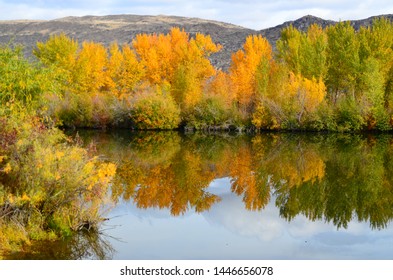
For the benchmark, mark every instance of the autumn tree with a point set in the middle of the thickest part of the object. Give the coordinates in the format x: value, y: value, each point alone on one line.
x: 125, y: 72
x: 114, y: 68
x: 284, y: 90
x: 305, y: 94
x: 272, y: 104
x: 59, y: 50
x: 177, y: 61
x: 220, y: 86
x: 256, y: 51
x: 91, y: 63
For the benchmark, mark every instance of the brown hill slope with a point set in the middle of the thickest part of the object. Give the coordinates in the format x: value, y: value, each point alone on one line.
x: 123, y: 28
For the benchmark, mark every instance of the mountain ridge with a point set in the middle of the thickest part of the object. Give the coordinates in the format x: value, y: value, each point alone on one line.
x: 124, y: 28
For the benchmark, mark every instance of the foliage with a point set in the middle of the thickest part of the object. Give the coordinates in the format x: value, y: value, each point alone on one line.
x: 49, y: 186
x: 343, y: 61
x: 348, y: 116
x: 306, y: 95
x: 124, y: 70
x: 154, y: 110
x: 20, y: 80
x: 210, y: 113
x: 256, y: 50
x: 83, y: 110
x: 304, y: 53
x: 177, y: 60
x: 325, y: 79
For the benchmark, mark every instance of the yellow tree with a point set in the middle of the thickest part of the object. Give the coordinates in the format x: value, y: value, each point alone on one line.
x: 176, y: 61
x: 197, y: 69
x: 59, y: 50
x: 272, y: 105
x: 244, y: 67
x: 91, y: 63
x: 292, y: 87
x: 160, y: 54
x: 305, y: 94
x: 131, y: 72
x: 114, y: 68
x: 220, y: 86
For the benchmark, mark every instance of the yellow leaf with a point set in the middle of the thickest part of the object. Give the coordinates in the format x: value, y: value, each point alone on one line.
x: 59, y: 154
x: 25, y: 197
x: 7, y: 169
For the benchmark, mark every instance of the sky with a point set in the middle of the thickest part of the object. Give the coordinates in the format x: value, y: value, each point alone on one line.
x: 257, y: 14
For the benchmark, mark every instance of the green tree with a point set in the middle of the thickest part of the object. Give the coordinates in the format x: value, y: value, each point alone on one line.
x: 58, y: 54
x: 21, y: 82
x: 343, y: 61
x: 304, y: 53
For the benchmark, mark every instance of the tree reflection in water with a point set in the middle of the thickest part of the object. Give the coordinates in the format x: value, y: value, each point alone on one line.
x: 335, y: 178
x: 84, y: 245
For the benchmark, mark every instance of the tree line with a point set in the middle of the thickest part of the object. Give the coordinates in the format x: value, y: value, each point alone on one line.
x: 335, y: 79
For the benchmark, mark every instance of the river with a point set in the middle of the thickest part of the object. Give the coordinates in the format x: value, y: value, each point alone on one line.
x: 240, y: 196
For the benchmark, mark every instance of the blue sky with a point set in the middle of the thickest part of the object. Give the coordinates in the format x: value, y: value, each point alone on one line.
x: 247, y: 13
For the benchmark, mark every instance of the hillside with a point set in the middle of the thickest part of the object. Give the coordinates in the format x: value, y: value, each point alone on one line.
x: 123, y: 28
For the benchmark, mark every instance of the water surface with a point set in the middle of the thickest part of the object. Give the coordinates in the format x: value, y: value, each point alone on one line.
x: 231, y: 196
x: 267, y: 196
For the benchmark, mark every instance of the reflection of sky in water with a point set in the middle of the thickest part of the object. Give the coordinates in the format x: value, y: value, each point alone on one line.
x: 229, y: 231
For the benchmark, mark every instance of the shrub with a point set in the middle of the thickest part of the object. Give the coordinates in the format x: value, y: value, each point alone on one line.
x: 48, y: 186
x: 154, y: 110
x: 348, y: 116
x: 82, y: 110
x: 210, y: 112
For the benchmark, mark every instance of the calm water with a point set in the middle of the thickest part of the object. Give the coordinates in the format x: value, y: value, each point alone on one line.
x: 227, y: 196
